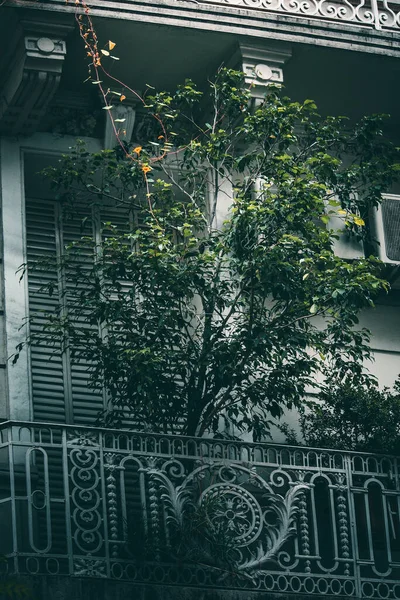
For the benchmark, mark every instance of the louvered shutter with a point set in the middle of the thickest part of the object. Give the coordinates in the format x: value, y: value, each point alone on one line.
x: 47, y: 368
x: 60, y: 384
x: 60, y: 388
x: 119, y: 216
x: 86, y: 402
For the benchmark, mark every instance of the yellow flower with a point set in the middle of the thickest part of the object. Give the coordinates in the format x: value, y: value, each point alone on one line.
x: 146, y: 168
x: 138, y: 149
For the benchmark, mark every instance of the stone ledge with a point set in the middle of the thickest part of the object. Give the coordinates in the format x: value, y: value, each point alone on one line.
x: 71, y: 588
x: 239, y: 21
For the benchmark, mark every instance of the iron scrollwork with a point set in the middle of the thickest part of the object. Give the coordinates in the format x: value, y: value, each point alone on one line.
x: 236, y: 502
x: 379, y: 14
x: 194, y: 512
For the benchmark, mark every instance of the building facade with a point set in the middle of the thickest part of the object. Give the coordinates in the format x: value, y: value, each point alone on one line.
x: 305, y: 522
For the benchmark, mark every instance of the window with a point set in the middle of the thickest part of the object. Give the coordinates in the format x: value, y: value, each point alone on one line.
x: 60, y: 385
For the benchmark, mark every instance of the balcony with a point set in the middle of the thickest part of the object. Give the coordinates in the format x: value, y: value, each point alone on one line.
x: 377, y: 14
x: 190, y: 512
x: 369, y: 26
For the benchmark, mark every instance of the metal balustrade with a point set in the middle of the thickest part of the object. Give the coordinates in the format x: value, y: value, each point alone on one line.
x: 377, y: 14
x: 173, y: 510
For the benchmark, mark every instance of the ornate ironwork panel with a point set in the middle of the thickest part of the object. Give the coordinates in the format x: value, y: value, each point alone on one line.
x: 183, y: 511
x: 377, y: 14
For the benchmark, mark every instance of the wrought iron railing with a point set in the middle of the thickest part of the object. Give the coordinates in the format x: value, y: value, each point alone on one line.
x: 378, y: 14
x: 196, y: 512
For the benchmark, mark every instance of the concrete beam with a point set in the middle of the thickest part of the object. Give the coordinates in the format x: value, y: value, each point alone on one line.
x: 241, y: 21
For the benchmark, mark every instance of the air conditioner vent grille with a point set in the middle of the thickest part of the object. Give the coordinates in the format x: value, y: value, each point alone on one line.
x: 391, y: 227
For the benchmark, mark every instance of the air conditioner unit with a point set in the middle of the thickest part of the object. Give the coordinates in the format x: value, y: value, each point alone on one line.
x: 385, y: 228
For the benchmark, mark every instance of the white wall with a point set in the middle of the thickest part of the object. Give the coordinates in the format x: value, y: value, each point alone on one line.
x: 384, y: 324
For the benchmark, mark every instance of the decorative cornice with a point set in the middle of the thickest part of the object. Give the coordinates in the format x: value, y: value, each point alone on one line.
x: 262, y: 65
x: 245, y: 18
x: 30, y: 78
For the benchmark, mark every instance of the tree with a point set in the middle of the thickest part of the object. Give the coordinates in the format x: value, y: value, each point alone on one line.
x: 184, y: 322
x: 355, y: 416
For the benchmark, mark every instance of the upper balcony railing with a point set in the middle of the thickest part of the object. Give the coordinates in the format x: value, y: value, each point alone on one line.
x: 183, y: 511
x: 378, y: 14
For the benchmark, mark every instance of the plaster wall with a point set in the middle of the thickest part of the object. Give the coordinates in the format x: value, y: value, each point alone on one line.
x: 67, y: 588
x: 15, y: 297
x: 3, y: 353
x: 384, y: 324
